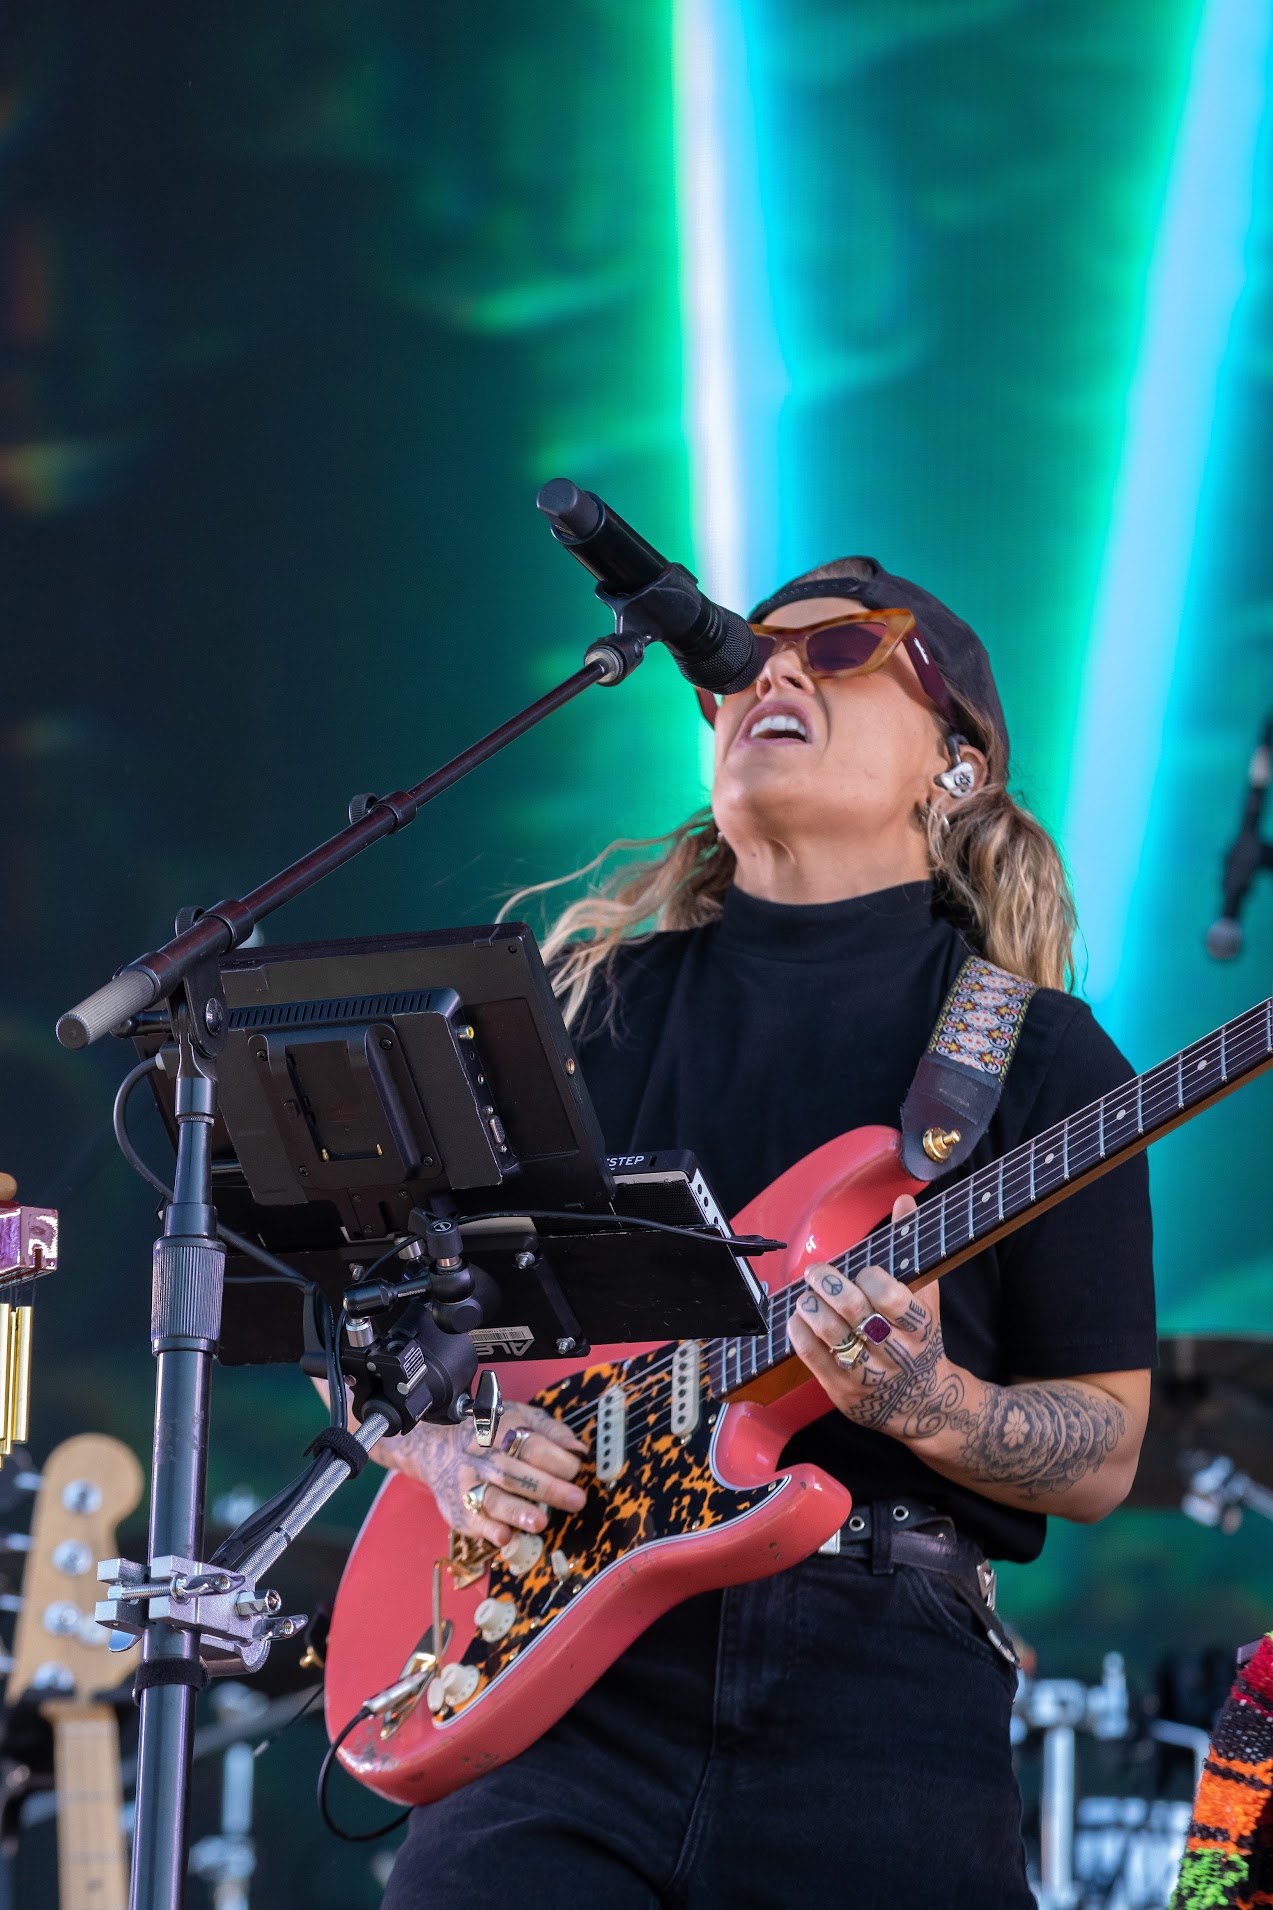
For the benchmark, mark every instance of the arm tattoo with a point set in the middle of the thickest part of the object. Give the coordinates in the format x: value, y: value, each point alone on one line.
x: 1040, y: 1439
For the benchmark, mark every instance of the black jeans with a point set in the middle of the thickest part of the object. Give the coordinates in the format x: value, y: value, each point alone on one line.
x: 828, y: 1735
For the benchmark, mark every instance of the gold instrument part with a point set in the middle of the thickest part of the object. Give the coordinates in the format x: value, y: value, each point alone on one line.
x: 18, y: 1430
x: 940, y: 1143
x: 6, y: 1378
x: 467, y: 1558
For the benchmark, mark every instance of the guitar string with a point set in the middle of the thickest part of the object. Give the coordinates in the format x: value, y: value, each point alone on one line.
x: 1017, y: 1167
x: 1072, y: 1134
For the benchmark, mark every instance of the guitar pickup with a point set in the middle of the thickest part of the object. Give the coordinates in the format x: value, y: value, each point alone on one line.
x: 612, y: 1434
x: 687, y: 1392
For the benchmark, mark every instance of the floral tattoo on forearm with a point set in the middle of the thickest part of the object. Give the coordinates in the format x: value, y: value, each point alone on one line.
x: 1039, y: 1438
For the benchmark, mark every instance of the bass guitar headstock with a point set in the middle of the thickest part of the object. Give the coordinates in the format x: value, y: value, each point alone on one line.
x: 87, y: 1485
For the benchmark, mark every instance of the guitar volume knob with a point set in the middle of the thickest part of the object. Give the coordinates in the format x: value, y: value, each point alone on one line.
x: 495, y: 1618
x: 522, y: 1553
x: 453, y: 1686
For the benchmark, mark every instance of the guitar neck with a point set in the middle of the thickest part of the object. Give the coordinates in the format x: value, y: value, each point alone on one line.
x: 974, y: 1213
x: 90, y: 1844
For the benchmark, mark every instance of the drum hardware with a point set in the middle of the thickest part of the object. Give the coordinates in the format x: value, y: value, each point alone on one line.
x: 1118, y: 1853
x: 227, y: 1859
x: 1059, y: 1708
x: 28, y: 1249
x: 1217, y: 1493
x: 1127, y: 1851
x: 1209, y: 1440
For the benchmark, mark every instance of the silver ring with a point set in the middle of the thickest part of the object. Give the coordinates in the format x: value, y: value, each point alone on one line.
x: 513, y: 1442
x: 475, y: 1498
x: 851, y: 1349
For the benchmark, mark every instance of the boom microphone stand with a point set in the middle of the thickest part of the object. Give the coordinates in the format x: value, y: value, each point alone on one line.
x: 188, y: 1613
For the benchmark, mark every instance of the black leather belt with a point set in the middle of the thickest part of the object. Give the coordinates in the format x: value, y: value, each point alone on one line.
x: 903, y: 1531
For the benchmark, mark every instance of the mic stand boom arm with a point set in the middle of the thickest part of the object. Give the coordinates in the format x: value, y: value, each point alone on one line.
x: 187, y: 1604
x: 156, y: 976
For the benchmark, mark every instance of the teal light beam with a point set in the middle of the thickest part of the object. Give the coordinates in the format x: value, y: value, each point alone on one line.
x: 734, y: 380
x: 1196, y: 276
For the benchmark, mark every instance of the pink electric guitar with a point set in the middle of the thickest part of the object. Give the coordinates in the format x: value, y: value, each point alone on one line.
x: 470, y: 1654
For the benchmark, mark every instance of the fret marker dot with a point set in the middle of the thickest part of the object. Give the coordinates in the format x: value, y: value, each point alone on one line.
x: 903, y: 1231
x: 906, y: 1263
x: 1048, y: 1159
x: 1121, y: 1113
x: 984, y: 1199
x: 1201, y: 1065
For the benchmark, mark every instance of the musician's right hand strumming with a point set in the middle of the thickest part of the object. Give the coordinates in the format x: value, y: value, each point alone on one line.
x: 450, y: 1462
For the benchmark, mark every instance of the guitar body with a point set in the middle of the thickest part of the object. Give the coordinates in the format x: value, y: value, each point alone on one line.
x: 691, y: 1511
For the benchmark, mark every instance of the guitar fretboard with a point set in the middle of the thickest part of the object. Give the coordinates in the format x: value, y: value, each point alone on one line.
x: 971, y: 1214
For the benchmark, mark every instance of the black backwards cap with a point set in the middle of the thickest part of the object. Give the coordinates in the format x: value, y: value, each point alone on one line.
x: 957, y: 650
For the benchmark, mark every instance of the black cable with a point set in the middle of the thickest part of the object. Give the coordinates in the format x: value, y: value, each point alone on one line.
x: 239, y: 1242
x: 237, y: 1545
x: 703, y: 1232
x: 302, y: 1711
x: 381, y: 1260
x: 329, y: 1325
x: 324, y: 1772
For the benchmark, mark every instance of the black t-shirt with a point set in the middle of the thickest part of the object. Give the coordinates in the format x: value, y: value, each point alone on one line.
x: 756, y: 1039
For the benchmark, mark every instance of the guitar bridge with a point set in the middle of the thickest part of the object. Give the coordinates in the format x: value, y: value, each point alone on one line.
x: 467, y: 1558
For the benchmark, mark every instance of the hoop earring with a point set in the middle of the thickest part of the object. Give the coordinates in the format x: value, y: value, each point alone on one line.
x: 961, y: 778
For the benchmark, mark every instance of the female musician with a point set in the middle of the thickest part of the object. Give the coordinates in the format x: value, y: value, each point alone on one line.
x: 769, y: 980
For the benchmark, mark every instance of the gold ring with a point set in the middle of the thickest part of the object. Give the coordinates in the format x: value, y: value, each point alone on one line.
x: 475, y: 1498
x: 850, y: 1350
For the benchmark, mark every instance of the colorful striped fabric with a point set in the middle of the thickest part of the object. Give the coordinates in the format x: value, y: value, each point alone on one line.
x: 1228, y: 1860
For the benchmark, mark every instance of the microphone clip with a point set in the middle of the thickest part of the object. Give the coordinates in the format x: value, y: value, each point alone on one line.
x: 619, y: 654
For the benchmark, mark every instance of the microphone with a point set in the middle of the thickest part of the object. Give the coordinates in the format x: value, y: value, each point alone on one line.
x: 713, y: 647
x: 1246, y: 858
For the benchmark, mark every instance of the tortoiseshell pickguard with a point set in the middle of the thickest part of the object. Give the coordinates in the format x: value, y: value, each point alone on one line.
x: 666, y: 1489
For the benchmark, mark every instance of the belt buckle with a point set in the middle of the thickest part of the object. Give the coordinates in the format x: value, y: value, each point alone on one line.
x: 986, y: 1583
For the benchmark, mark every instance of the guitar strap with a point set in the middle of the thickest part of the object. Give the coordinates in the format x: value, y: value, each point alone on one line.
x: 957, y: 1085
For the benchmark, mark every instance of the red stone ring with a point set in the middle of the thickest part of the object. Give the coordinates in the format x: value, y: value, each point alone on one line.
x: 859, y: 1340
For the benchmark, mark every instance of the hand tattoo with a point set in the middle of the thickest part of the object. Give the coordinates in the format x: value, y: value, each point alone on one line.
x: 900, y: 1399
x: 832, y: 1284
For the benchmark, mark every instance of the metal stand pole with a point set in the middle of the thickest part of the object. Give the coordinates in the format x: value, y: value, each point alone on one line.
x: 189, y: 1272
x: 1056, y: 1812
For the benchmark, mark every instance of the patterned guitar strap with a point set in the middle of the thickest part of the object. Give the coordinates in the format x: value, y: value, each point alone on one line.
x: 960, y: 1078
x: 1228, y: 1858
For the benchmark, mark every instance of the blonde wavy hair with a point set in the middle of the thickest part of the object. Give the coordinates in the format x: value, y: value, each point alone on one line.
x: 996, y: 872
